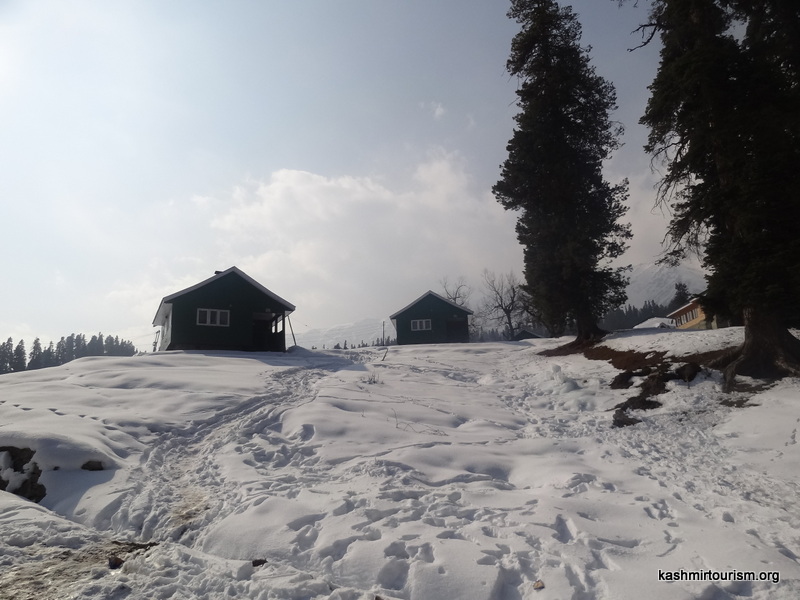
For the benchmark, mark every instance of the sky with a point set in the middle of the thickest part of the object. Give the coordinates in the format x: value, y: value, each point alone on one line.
x: 340, y: 153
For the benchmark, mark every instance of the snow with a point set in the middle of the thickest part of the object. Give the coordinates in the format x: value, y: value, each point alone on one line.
x: 655, y: 322
x: 466, y: 471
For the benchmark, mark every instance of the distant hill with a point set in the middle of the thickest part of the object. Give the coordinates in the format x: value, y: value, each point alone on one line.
x: 657, y: 282
x: 365, y: 330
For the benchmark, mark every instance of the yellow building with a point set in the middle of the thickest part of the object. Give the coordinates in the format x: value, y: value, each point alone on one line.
x: 690, y: 316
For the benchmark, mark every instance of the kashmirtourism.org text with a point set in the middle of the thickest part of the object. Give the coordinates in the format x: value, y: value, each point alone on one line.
x: 709, y: 575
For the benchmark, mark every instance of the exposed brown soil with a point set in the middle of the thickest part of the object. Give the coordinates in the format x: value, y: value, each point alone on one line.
x: 573, y: 347
x: 53, y: 569
x: 653, y: 366
x: 22, y: 462
x: 631, y: 360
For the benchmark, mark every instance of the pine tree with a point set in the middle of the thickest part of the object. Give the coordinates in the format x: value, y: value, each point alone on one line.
x: 724, y: 118
x: 568, y: 214
x: 49, y: 356
x: 681, y: 297
x: 80, y: 346
x: 6, y: 355
x: 69, y: 348
x: 61, y: 352
x: 36, y: 357
x: 108, y: 346
x: 95, y: 346
x: 126, y: 348
x: 19, y: 358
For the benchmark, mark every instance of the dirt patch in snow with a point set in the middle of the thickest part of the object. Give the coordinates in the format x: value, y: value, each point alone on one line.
x: 573, y: 347
x: 53, y: 570
x: 657, y: 370
x: 19, y: 474
x: 631, y: 360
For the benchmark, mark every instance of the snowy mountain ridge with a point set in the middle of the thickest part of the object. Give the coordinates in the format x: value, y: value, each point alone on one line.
x: 649, y: 281
x: 365, y: 330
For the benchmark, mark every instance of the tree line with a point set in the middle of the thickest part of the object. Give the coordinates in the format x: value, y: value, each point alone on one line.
x: 724, y: 128
x: 631, y: 316
x: 387, y: 341
x: 14, y: 358
x: 505, y: 309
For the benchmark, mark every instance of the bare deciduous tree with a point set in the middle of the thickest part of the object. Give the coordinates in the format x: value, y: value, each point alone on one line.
x: 503, y: 301
x: 458, y: 291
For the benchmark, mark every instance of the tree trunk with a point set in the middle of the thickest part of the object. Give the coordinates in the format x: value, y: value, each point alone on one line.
x: 769, y: 350
x: 510, y: 324
x: 588, y: 330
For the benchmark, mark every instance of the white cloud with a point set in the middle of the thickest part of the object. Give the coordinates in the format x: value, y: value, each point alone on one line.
x: 344, y: 248
x: 649, y: 223
x: 436, y: 109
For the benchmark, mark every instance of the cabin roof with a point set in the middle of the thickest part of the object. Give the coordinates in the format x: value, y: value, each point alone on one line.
x: 163, y: 308
x: 434, y: 294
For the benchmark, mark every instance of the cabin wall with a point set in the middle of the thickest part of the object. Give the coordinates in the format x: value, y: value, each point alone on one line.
x: 247, y: 310
x: 448, y: 324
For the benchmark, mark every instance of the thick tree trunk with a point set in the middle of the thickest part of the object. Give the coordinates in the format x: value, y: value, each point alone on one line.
x: 769, y: 351
x: 588, y: 330
x: 588, y: 334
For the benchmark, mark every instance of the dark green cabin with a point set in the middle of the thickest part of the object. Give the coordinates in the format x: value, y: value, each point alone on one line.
x: 229, y: 311
x: 431, y: 319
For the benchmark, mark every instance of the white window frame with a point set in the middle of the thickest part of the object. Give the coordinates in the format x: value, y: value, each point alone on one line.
x: 421, y: 325
x: 213, y: 317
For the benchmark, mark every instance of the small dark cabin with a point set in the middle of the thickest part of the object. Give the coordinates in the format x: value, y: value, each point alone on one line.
x: 431, y: 319
x: 526, y: 333
x: 229, y: 311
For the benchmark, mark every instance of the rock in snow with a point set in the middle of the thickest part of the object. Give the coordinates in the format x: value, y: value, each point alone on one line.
x: 469, y: 472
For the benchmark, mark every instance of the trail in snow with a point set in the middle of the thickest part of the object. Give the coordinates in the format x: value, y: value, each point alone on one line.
x: 470, y: 471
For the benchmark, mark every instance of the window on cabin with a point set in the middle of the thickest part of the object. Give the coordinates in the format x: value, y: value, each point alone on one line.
x: 213, y: 317
x: 421, y: 325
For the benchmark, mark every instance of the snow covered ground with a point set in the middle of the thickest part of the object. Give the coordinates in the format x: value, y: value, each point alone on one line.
x: 476, y: 471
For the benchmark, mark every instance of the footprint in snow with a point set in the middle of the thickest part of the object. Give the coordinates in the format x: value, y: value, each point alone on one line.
x: 306, y: 432
x: 394, y: 574
x: 564, y: 530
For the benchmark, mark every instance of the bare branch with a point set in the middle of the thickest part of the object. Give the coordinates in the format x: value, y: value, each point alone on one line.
x: 458, y: 292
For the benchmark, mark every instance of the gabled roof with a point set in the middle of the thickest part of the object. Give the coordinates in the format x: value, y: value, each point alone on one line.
x: 163, y: 311
x: 694, y: 302
x: 526, y: 331
x: 435, y: 295
x: 656, y: 322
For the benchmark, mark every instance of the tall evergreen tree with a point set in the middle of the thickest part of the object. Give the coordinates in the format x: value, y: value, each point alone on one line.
x: 6, y: 354
x: 36, y: 356
x: 681, y: 297
x: 724, y: 118
x: 95, y: 346
x: 80, y: 346
x: 110, y: 346
x: 49, y: 356
x: 19, y: 359
x: 568, y: 221
x: 61, y: 351
x: 69, y: 348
